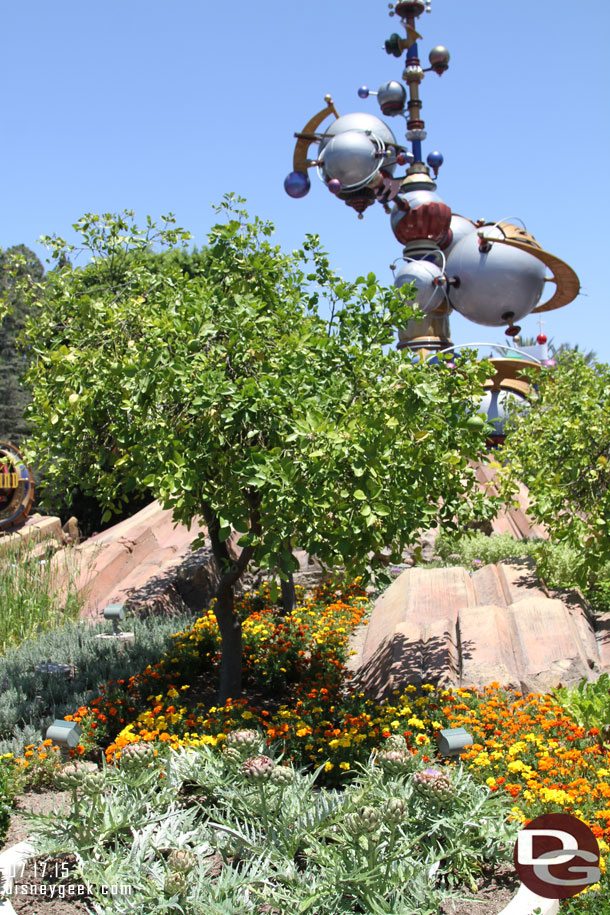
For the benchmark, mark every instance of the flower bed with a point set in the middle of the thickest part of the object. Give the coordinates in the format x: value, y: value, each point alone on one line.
x: 527, y: 748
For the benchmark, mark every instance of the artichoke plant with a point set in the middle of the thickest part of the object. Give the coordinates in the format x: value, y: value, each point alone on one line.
x: 137, y: 755
x: 246, y: 741
x: 282, y: 776
x: 434, y: 784
x: 365, y: 820
x: 394, y: 811
x: 181, y: 860
x: 395, y: 762
x: 258, y: 768
x: 71, y: 776
x: 176, y: 883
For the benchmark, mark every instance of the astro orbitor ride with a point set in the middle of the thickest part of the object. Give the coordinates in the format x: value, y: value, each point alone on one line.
x: 492, y: 273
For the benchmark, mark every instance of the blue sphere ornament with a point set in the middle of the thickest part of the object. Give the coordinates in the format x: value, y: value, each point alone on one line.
x: 363, y: 92
x: 297, y: 184
x: 435, y: 159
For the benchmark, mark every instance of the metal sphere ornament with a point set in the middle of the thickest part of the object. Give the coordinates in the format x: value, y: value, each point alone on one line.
x: 435, y: 160
x: 353, y: 158
x: 427, y: 277
x: 541, y: 339
x: 297, y: 184
x: 492, y: 273
x: 439, y: 58
x: 497, y: 284
x: 459, y: 227
x: 497, y: 405
x: 359, y: 121
x: 392, y: 97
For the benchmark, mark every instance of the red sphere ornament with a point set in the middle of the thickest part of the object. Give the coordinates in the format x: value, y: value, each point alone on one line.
x: 512, y: 331
x: 541, y: 339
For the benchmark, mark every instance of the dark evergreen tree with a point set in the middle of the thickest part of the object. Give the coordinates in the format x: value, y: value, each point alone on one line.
x: 17, y: 264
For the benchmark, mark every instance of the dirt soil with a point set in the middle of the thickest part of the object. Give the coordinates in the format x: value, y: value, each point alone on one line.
x: 495, y: 892
x: 38, y: 891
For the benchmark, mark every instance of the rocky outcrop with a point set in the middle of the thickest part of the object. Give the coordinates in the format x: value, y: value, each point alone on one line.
x: 452, y: 628
x: 146, y: 560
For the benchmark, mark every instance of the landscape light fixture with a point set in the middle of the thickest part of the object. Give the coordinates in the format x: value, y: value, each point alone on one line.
x: 116, y: 613
x: 452, y: 741
x: 55, y: 670
x: 65, y: 735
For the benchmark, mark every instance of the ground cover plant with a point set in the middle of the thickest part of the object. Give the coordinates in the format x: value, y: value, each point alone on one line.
x: 31, y: 700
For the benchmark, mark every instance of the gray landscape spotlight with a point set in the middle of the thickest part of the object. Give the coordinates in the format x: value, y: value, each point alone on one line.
x: 66, y: 734
x: 116, y: 613
x: 452, y: 741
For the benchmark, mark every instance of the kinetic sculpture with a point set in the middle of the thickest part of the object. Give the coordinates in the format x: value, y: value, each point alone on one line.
x: 16, y: 487
x: 493, y: 274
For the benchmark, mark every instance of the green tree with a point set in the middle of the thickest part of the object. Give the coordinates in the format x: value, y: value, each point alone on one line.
x: 559, y: 446
x: 19, y: 267
x: 230, y: 397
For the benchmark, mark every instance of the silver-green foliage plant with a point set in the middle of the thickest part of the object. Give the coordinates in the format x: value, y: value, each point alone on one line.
x: 191, y: 829
x: 30, y: 700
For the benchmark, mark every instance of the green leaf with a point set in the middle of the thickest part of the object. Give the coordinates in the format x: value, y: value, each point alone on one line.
x: 361, y: 496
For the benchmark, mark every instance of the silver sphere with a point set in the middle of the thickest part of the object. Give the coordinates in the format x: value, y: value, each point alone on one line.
x: 439, y: 55
x: 392, y: 97
x: 497, y: 405
x: 495, y: 288
x: 460, y: 226
x: 428, y: 296
x: 351, y: 158
x: 359, y: 121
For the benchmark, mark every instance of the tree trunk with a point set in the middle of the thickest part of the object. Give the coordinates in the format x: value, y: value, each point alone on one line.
x: 228, y: 621
x: 289, y: 598
x: 231, y: 655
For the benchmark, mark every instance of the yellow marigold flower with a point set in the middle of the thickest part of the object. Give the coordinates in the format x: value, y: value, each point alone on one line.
x: 344, y: 765
x: 328, y: 767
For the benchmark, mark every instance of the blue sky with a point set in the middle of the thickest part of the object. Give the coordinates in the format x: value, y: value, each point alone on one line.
x: 160, y: 107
